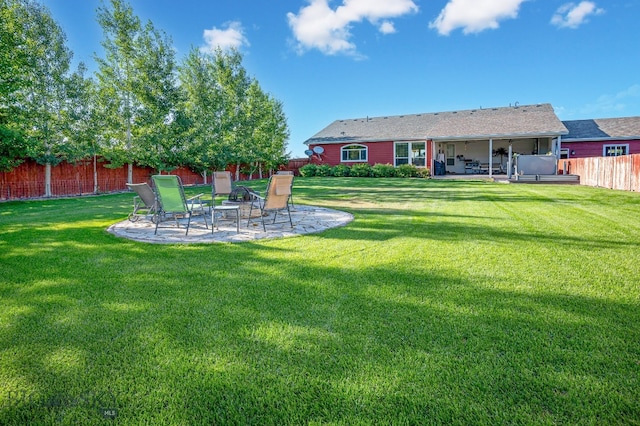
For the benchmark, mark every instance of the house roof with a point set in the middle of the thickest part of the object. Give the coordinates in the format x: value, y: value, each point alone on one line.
x: 602, y: 129
x: 484, y: 123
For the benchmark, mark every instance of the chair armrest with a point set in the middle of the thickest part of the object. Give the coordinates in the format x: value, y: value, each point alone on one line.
x: 194, y: 197
x: 196, y: 201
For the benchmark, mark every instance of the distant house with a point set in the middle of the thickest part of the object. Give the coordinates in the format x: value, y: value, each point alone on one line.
x: 468, y: 141
x: 602, y: 137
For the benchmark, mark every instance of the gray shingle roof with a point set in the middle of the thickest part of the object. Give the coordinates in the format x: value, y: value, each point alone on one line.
x: 506, y: 122
x: 603, y: 128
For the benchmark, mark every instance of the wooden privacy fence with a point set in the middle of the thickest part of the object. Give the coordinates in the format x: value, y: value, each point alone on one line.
x: 28, y: 179
x: 621, y: 172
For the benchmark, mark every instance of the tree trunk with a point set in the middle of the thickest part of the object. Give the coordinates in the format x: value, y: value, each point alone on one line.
x: 95, y: 174
x: 47, y: 180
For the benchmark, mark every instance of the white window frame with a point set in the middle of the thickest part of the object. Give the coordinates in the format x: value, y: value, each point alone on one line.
x: 615, y: 146
x: 361, y: 149
x: 409, y: 153
x: 564, y: 153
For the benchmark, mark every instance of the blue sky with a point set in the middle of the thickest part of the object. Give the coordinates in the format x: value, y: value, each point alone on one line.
x: 338, y: 59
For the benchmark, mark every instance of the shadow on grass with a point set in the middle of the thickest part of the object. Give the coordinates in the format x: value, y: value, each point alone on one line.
x: 274, y: 342
x: 308, y: 329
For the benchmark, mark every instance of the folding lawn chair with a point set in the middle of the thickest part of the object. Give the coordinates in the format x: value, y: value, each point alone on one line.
x: 144, y: 204
x: 222, y: 185
x: 173, y: 203
x: 276, y: 198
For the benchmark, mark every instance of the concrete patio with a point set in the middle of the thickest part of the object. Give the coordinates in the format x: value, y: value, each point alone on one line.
x: 306, y: 220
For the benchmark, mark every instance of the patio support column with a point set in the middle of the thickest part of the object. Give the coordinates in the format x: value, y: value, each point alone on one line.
x: 509, y: 162
x: 558, y: 151
x: 490, y: 158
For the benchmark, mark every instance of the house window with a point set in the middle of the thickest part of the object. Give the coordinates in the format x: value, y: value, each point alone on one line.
x: 410, y: 153
x: 354, y: 153
x: 401, y: 153
x: 564, y: 153
x: 615, y: 150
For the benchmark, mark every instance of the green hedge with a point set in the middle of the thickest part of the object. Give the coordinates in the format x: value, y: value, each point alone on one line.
x: 364, y: 170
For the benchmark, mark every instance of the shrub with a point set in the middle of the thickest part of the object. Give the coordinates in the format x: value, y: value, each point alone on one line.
x: 383, y: 170
x: 360, y: 170
x: 407, y: 170
x: 308, y: 170
x: 340, y: 170
x: 323, y: 170
x: 424, y: 173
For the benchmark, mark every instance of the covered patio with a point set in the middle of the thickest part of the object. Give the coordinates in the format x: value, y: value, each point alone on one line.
x: 488, y: 156
x: 484, y: 141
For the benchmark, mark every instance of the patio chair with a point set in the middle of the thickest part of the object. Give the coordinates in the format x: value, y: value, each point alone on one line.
x: 276, y: 198
x: 173, y: 203
x: 287, y: 172
x: 144, y: 204
x: 222, y: 185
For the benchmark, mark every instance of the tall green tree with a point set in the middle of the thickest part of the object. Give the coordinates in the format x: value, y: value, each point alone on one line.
x: 269, y: 132
x: 160, y: 120
x: 13, y: 62
x: 34, y: 62
x: 233, y: 82
x: 117, y: 79
x: 138, y: 92
x: 232, y: 121
x: 204, y: 108
x: 41, y: 90
x: 82, y: 127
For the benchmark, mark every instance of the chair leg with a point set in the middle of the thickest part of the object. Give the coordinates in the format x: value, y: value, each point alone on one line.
x: 188, y: 224
x: 204, y: 217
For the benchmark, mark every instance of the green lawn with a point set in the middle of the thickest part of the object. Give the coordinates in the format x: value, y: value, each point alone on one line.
x: 441, y: 303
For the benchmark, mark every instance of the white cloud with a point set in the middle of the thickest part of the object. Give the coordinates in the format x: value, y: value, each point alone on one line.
x: 232, y: 36
x: 474, y: 16
x: 318, y: 26
x: 571, y: 15
x: 387, y: 28
x: 613, y: 104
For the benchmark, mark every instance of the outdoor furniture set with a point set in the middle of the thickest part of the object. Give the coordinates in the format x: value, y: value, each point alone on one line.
x: 167, y: 201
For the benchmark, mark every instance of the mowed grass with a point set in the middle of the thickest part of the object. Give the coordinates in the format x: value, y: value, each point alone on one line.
x: 442, y: 303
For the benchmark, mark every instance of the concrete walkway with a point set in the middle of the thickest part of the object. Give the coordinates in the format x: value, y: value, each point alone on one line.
x: 306, y: 220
